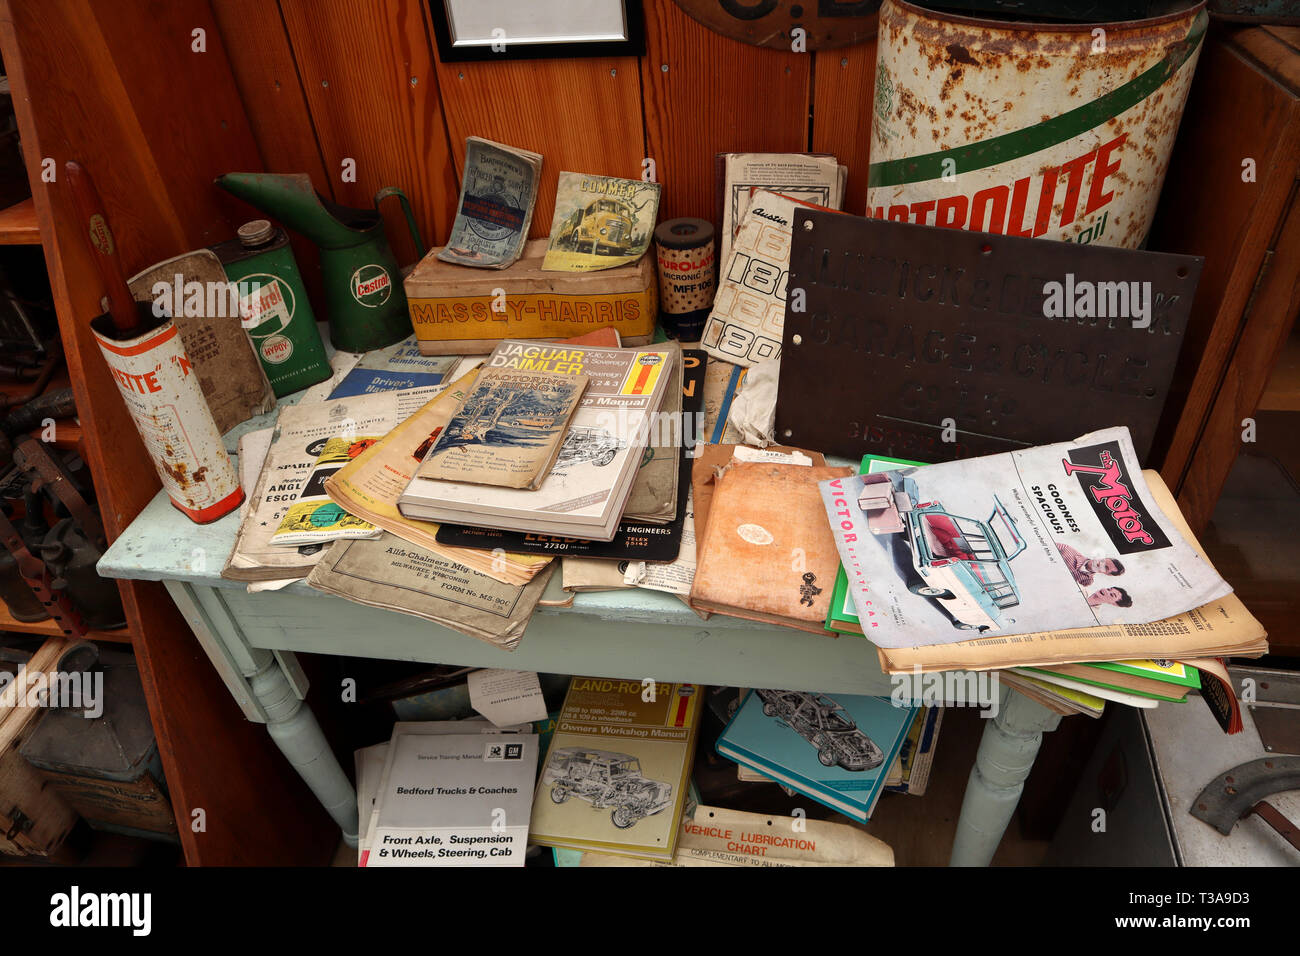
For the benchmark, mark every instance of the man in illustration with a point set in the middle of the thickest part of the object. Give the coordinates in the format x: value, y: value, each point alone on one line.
x: 1116, y: 596
x: 1084, y: 569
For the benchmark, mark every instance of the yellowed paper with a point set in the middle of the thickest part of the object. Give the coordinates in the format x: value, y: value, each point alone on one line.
x: 369, y: 488
x: 721, y: 837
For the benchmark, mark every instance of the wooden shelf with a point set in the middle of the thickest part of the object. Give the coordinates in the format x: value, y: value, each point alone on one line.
x: 1282, y: 394
x: 18, y: 226
x: 50, y: 628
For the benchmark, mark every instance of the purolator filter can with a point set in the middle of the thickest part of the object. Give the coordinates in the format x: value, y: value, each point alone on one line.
x: 687, y: 278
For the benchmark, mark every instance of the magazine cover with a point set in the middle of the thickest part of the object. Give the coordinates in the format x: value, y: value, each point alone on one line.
x: 748, y: 317
x: 1059, y: 536
x: 618, y: 767
x: 600, y: 222
x: 842, y: 617
x: 313, y: 517
x: 834, y: 748
x: 508, y: 430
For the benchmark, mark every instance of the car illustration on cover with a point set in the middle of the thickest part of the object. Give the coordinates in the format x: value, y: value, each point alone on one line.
x: 606, y: 779
x: 823, y: 723
x: 961, y: 563
x: 586, y: 443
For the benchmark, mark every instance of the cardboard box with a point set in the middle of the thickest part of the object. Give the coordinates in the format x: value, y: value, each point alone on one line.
x: 452, y: 306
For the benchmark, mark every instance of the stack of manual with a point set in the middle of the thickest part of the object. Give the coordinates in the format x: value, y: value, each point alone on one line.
x: 1085, y: 687
x: 585, y: 491
x: 447, y: 793
x: 1059, y: 555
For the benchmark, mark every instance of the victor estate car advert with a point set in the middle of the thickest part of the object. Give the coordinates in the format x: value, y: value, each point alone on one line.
x: 1059, y: 536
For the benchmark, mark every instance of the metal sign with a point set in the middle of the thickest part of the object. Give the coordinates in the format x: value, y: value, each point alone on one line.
x: 936, y: 344
x: 826, y: 24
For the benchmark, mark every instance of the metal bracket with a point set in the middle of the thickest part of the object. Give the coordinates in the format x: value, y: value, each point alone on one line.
x: 1233, y: 795
x: 21, y: 823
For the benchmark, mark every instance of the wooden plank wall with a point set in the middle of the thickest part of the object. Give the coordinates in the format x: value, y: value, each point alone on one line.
x: 366, y: 81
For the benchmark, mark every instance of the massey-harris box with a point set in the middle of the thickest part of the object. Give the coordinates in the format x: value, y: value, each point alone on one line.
x: 460, y: 310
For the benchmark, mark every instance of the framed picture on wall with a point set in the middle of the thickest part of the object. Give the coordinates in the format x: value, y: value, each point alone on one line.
x: 533, y: 29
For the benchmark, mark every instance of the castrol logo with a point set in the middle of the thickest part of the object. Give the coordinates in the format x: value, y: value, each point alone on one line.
x: 371, y: 285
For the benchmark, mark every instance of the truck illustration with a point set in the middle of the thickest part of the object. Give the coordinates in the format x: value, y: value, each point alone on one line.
x: 822, y: 722
x: 961, y: 563
x: 586, y: 443
x: 602, y: 228
x: 606, y: 780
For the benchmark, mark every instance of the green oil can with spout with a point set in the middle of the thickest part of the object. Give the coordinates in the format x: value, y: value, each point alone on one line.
x: 364, y: 299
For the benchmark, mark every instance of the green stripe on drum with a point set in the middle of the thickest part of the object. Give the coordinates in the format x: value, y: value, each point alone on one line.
x: 1040, y: 136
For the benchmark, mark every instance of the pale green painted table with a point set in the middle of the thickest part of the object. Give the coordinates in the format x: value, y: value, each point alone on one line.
x: 251, y: 640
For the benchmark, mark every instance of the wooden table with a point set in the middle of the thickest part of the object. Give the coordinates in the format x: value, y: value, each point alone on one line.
x: 251, y: 639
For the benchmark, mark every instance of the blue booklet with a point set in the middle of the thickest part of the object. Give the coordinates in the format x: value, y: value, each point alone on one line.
x: 835, y: 749
x: 399, y: 366
x: 366, y: 381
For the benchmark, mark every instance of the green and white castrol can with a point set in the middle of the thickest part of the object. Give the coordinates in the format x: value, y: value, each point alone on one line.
x: 273, y: 306
x: 1056, y: 131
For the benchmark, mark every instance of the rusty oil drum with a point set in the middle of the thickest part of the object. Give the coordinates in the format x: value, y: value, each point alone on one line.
x: 1059, y: 131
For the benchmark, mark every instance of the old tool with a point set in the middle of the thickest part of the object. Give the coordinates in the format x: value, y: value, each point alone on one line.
x: 38, y: 578
x: 364, y: 299
x: 68, y: 552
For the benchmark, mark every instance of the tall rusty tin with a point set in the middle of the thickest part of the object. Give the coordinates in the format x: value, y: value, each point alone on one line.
x: 162, y: 395
x: 1059, y: 131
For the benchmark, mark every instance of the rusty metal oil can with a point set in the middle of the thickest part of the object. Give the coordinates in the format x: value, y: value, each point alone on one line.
x: 1058, y: 131
x: 163, y: 397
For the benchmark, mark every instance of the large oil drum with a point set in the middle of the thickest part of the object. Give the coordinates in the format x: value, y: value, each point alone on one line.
x: 1057, y: 131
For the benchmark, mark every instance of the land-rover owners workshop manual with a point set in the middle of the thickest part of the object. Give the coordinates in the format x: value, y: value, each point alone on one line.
x: 588, y: 486
x: 616, y: 773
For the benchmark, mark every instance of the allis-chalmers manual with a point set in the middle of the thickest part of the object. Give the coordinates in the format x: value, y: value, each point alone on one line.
x: 1059, y: 536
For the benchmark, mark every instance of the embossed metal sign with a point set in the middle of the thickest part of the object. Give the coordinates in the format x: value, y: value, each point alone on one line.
x: 825, y: 24
x: 934, y: 344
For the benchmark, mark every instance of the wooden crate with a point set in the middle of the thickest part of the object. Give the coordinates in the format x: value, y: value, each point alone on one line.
x: 458, y: 310
x: 24, y: 794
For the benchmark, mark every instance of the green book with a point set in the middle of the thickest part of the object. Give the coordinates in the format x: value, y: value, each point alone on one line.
x: 842, y: 616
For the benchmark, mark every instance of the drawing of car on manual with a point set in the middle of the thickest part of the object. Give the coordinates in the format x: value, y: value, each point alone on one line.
x: 585, y: 443
x: 823, y: 723
x: 606, y: 780
x: 961, y: 563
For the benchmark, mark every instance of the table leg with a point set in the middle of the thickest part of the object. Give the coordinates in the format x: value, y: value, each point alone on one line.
x: 1006, y: 754
x: 258, y: 680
